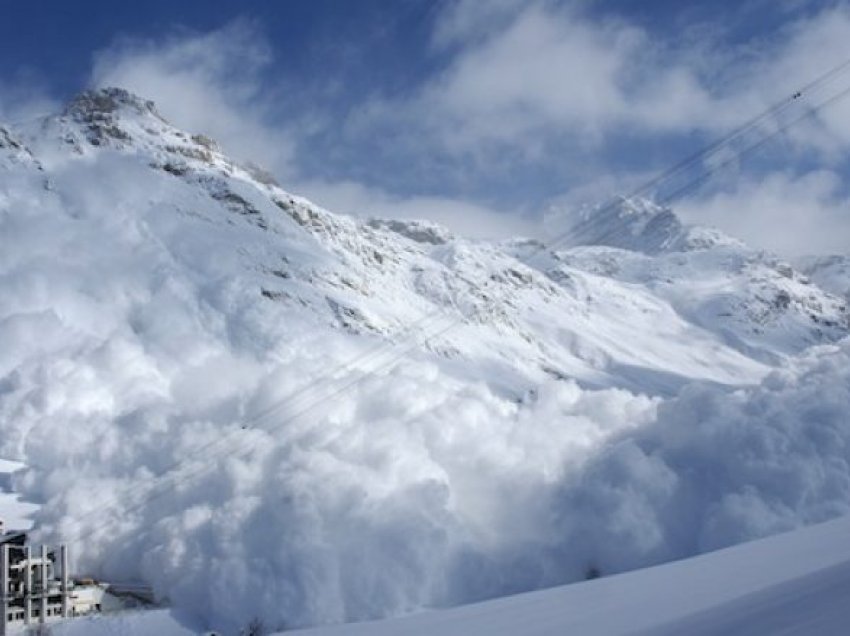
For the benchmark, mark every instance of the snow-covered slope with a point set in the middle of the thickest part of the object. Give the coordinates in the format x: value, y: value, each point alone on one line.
x: 264, y: 408
x: 757, y: 303
x: 635, y: 224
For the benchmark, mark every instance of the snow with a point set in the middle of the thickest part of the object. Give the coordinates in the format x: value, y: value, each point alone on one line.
x: 262, y: 408
x: 757, y: 303
x: 636, y: 225
x: 794, y: 583
x: 141, y: 623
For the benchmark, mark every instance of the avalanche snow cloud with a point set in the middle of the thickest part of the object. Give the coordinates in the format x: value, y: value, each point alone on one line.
x: 228, y: 392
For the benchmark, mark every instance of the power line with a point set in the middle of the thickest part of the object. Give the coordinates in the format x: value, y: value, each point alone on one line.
x: 755, y: 146
x: 771, y: 113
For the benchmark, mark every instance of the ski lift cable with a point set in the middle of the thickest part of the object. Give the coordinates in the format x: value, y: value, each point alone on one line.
x: 815, y: 85
x: 808, y: 90
x: 707, y: 172
x: 695, y: 183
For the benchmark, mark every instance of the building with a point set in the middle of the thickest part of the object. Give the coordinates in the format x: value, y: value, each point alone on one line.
x: 36, y: 586
x: 34, y: 583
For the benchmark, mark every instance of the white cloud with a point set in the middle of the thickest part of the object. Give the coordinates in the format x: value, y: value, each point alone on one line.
x: 789, y: 214
x: 462, y: 22
x: 534, y: 70
x: 521, y: 74
x: 209, y: 83
x: 538, y: 71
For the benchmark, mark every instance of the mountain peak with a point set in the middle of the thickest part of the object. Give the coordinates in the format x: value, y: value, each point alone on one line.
x: 101, y: 103
x: 103, y: 114
x: 640, y: 225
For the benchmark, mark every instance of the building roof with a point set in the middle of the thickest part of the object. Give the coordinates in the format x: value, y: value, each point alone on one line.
x: 13, y: 537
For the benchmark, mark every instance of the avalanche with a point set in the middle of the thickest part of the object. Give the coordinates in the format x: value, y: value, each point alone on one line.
x: 266, y: 409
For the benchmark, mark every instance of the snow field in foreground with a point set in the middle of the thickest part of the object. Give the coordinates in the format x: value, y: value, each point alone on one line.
x: 795, y: 584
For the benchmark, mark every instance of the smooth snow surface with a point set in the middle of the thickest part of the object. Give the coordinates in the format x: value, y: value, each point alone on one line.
x: 792, y: 584
x: 262, y: 408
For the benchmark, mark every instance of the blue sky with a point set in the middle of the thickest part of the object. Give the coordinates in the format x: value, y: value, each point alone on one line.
x: 481, y: 115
